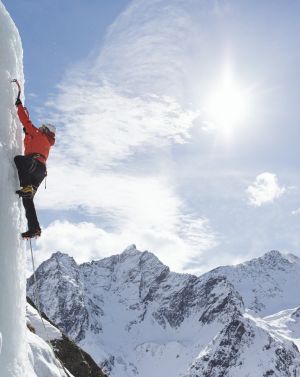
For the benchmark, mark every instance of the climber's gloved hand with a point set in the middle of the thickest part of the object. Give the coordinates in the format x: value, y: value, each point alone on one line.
x: 18, y: 102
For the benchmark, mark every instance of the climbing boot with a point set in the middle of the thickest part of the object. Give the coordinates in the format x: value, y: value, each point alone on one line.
x: 31, y: 234
x: 26, y: 192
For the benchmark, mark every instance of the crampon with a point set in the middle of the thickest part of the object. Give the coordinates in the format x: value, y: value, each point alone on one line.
x: 31, y: 234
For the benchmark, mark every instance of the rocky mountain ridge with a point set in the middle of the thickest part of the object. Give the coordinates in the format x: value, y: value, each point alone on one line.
x: 267, y: 284
x: 137, y: 318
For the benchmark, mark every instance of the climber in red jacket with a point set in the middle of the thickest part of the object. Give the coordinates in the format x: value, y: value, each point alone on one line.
x: 32, y: 166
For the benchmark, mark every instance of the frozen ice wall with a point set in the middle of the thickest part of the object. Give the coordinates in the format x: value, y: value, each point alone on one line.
x: 22, y: 354
x: 13, y: 348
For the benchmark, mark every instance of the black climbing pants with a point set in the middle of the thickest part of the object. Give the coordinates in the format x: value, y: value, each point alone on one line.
x: 31, y: 172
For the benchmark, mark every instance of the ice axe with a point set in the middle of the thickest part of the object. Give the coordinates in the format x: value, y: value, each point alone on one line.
x: 19, y: 87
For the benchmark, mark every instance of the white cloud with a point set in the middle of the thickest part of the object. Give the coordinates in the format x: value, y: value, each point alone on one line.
x: 136, y: 92
x: 147, y: 48
x: 85, y: 241
x: 265, y: 189
x: 103, y: 127
x: 128, y: 99
x: 296, y: 212
x: 133, y: 93
x: 147, y: 200
x: 142, y: 210
x: 126, y: 104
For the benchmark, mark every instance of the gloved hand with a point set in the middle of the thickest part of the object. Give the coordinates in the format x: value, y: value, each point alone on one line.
x: 18, y: 102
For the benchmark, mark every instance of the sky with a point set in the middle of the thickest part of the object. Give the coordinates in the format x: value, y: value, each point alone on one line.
x: 177, y: 127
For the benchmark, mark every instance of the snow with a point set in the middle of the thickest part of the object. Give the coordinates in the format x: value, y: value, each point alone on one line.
x: 286, y: 324
x: 41, y: 357
x: 48, y: 332
x: 267, y: 284
x: 39, y: 352
x: 136, y: 318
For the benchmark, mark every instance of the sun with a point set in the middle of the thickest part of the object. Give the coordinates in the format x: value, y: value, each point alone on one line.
x: 227, y: 104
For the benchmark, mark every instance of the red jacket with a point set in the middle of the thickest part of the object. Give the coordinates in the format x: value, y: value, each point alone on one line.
x: 35, y: 140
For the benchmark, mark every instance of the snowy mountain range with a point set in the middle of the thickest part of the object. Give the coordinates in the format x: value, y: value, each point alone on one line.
x: 137, y: 318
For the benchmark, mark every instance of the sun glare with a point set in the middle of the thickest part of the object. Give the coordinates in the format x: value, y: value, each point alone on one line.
x: 227, y: 105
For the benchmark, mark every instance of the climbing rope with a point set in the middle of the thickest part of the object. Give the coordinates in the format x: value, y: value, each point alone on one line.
x: 59, y: 363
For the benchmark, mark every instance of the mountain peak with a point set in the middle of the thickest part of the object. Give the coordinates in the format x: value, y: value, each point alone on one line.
x: 64, y: 258
x: 131, y: 249
x: 276, y: 258
x: 58, y: 261
x: 59, y: 254
x: 273, y: 254
x: 266, y: 283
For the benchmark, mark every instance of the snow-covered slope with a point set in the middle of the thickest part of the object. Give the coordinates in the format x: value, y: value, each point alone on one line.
x: 40, y: 353
x: 245, y: 349
x: 285, y: 323
x: 267, y: 284
x: 68, y: 356
x: 137, y: 318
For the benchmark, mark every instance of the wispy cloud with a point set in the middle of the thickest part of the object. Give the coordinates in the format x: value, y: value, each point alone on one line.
x: 265, y: 189
x: 86, y: 241
x: 143, y: 210
x: 102, y: 127
x: 296, y: 212
x: 149, y: 200
x: 147, y: 48
x: 123, y: 107
x: 134, y: 93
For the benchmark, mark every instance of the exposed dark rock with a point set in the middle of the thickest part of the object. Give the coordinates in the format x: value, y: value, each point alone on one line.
x: 77, y: 361
x: 227, y: 351
x: 73, y: 358
x: 228, y: 303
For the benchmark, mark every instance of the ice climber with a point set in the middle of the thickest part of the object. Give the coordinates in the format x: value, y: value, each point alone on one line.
x: 32, y: 166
